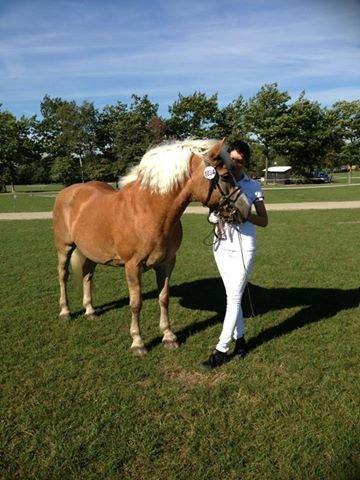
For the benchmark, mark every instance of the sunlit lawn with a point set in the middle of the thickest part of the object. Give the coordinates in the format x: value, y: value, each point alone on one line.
x: 75, y: 404
x: 36, y: 201
x: 25, y: 202
x: 35, y: 188
x: 318, y: 193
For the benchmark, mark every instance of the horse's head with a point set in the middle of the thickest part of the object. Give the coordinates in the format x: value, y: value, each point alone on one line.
x: 214, y: 184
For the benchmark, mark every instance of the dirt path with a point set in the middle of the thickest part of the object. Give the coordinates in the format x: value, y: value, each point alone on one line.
x: 25, y: 216
x: 272, y: 207
x: 278, y: 207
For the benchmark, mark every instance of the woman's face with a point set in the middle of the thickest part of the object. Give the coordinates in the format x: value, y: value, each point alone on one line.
x: 239, y: 162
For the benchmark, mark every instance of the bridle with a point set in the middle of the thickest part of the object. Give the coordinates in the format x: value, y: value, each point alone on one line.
x: 226, y: 209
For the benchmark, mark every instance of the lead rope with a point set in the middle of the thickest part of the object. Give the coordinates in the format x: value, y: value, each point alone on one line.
x: 211, y: 234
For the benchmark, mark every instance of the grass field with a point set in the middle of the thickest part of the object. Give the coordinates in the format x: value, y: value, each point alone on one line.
x: 76, y: 405
x: 343, y: 177
x: 318, y: 193
x: 42, y: 202
x: 36, y: 188
x: 23, y: 202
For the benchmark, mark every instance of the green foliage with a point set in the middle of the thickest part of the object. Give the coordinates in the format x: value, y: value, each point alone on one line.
x: 308, y: 137
x: 101, y: 145
x: 232, y: 120
x: 193, y: 115
x: 267, y: 118
x: 17, y: 147
x: 346, y: 120
x: 68, y: 132
x: 126, y: 132
x: 65, y: 170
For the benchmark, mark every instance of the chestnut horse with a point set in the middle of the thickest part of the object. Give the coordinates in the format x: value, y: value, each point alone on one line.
x: 138, y: 226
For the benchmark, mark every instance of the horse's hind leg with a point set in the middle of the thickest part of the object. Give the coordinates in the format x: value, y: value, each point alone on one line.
x: 88, y: 273
x: 163, y: 272
x: 83, y: 269
x: 63, y: 271
x: 133, y: 278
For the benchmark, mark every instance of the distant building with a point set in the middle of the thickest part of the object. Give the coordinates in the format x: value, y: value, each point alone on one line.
x: 278, y: 174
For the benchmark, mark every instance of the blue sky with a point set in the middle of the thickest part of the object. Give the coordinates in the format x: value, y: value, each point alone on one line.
x: 104, y: 51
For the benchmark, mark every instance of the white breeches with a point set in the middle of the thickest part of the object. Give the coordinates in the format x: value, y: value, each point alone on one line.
x: 234, y: 268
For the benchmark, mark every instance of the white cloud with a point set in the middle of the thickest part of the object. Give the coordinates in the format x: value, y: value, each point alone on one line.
x: 98, y: 49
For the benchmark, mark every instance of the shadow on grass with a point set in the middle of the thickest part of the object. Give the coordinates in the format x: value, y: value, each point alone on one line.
x: 208, y: 294
x: 318, y: 304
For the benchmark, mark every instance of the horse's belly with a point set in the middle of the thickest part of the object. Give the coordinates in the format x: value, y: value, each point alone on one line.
x: 91, y: 231
x: 99, y: 255
x: 98, y: 248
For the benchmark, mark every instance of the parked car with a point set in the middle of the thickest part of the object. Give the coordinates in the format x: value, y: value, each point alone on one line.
x: 320, y: 177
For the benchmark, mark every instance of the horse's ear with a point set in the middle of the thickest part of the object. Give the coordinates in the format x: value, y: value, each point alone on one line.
x: 216, y: 150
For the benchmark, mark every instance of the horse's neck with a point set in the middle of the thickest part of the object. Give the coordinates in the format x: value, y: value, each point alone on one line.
x: 171, y: 206
x: 166, y: 208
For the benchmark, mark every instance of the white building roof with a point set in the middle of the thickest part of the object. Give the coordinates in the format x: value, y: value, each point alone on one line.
x: 278, y: 169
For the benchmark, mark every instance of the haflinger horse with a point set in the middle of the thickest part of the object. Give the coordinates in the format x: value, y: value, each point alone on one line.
x: 138, y: 226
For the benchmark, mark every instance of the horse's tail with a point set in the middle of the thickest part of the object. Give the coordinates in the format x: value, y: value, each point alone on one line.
x: 77, y: 261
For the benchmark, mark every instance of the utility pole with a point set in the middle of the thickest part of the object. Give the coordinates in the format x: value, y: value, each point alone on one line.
x: 81, y: 169
x: 266, y: 170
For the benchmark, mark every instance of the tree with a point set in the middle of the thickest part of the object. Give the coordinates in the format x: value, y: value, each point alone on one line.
x: 17, y: 146
x: 231, y: 120
x: 106, y: 135
x: 309, y: 137
x: 193, y: 115
x: 65, y: 170
x: 126, y: 132
x: 345, y: 117
x: 68, y: 131
x: 267, y: 121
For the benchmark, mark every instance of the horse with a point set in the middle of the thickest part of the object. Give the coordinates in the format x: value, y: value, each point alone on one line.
x: 138, y: 226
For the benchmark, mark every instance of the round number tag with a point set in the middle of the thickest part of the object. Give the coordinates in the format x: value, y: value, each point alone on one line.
x: 209, y: 173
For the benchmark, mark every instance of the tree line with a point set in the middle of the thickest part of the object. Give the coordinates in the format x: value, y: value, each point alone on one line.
x: 72, y: 143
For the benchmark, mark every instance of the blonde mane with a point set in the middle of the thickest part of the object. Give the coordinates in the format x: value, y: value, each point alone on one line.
x: 166, y: 167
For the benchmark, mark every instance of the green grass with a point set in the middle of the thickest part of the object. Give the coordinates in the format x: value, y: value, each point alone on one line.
x: 76, y: 405
x: 40, y: 187
x: 295, y: 194
x: 24, y: 202
x: 28, y: 202
x: 343, y: 177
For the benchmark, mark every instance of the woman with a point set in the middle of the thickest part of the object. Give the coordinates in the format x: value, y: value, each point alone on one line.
x: 234, y: 252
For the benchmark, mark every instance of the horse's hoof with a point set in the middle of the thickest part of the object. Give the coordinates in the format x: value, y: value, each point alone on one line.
x: 139, y: 351
x: 171, y: 344
x: 65, y: 316
x: 92, y: 316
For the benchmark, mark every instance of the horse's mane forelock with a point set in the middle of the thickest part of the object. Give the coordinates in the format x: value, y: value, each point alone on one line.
x: 167, y: 165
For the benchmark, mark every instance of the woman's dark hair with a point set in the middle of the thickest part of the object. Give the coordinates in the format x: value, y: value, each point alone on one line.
x: 241, y: 147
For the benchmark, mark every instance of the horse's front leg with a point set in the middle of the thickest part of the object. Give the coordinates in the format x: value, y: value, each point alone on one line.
x: 133, y: 278
x: 163, y: 273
